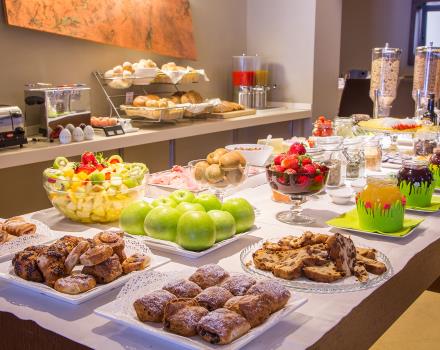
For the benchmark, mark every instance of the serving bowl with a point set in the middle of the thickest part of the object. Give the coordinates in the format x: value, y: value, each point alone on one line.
x: 88, y: 201
x: 254, y: 154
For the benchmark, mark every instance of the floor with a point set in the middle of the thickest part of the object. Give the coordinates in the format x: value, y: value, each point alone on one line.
x: 418, y: 327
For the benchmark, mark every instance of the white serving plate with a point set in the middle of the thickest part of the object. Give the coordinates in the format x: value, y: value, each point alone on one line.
x: 174, y: 248
x: 121, y: 311
x: 132, y: 246
x: 43, y: 235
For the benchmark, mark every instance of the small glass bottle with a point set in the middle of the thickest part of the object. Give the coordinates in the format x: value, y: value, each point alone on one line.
x: 373, y: 155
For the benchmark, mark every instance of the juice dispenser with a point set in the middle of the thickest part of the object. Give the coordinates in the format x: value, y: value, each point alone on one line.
x: 426, y: 76
x: 244, y: 69
x: 384, y: 79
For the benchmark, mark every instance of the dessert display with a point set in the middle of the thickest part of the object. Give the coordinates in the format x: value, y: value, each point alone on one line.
x: 416, y: 182
x: 14, y: 227
x: 318, y: 257
x: 296, y: 174
x: 434, y: 166
x: 322, y: 127
x: 96, y: 189
x: 391, y: 124
x: 193, y: 223
x: 381, y: 206
x: 74, y: 265
x: 220, y: 170
x: 213, y: 313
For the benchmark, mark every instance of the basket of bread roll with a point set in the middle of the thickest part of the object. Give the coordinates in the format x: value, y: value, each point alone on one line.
x: 171, y: 73
x: 195, y: 105
x: 123, y: 76
x: 153, y: 107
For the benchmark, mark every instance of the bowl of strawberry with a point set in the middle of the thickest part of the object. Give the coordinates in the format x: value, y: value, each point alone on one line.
x: 296, y: 174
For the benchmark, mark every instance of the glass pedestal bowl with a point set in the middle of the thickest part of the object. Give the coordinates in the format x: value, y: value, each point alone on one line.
x: 218, y: 178
x: 298, y: 187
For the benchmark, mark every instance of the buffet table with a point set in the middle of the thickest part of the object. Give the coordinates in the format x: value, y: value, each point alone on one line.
x: 44, y: 151
x: 351, y: 320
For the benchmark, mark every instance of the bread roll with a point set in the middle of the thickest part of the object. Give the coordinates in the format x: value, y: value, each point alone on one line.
x: 139, y: 101
x: 152, y: 97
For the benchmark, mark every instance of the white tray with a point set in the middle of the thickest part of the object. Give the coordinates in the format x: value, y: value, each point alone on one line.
x: 43, y: 235
x: 131, y: 246
x: 174, y: 248
x: 121, y: 311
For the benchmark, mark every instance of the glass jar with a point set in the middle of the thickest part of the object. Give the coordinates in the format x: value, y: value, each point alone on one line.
x: 334, y: 158
x: 373, y: 155
x: 425, y: 143
x: 323, y: 129
x: 343, y: 127
x: 416, y: 182
x: 355, y: 168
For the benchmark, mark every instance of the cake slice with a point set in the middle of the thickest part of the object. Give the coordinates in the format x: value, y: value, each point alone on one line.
x: 326, y: 273
x: 373, y: 266
x: 343, y: 252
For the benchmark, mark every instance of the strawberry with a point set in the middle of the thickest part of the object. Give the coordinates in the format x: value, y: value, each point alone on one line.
x: 297, y: 148
x: 309, y: 168
x: 321, y: 118
x: 89, y: 158
x: 306, y: 160
x: 319, y: 178
x: 290, y: 162
x: 281, y: 179
x: 278, y: 168
x: 85, y: 168
x: 290, y: 171
x: 302, y: 180
x: 279, y: 158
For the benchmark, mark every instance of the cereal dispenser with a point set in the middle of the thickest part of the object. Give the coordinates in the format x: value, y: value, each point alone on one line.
x: 426, y: 76
x: 384, y: 79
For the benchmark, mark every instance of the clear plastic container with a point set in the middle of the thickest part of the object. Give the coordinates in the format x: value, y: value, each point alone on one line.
x: 244, y: 69
x: 426, y: 76
x: 384, y: 78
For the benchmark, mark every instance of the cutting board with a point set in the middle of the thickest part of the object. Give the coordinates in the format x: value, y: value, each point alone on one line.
x: 234, y: 114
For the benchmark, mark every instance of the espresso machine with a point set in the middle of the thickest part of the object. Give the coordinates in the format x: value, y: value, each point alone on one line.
x: 250, y: 80
x: 47, y: 106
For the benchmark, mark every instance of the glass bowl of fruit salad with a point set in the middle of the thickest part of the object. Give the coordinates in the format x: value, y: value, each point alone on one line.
x: 96, y: 189
x: 297, y: 175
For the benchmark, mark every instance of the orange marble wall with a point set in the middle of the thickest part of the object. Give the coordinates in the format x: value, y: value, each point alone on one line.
x: 160, y: 26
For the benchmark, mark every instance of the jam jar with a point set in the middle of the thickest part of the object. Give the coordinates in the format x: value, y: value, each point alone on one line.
x: 416, y: 182
x: 434, y: 166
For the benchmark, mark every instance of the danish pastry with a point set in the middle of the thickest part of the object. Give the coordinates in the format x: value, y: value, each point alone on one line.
x: 181, y: 316
x: 238, y: 284
x: 136, y: 262
x: 222, y: 326
x: 75, y: 284
x: 73, y: 257
x: 151, y: 307
x: 96, y: 255
x: 115, y: 239
x: 106, y: 271
x: 254, y: 308
x: 213, y: 298
x: 209, y: 275
x: 275, y: 292
x: 182, y: 288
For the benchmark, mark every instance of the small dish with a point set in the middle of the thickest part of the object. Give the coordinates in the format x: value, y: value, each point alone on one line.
x: 341, y: 195
x: 358, y: 185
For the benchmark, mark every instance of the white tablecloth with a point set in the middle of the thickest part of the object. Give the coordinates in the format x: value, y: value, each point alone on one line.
x: 300, y: 330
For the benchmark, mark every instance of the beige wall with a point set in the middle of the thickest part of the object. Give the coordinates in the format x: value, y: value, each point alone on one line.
x: 371, y: 23
x: 326, y: 58
x: 282, y: 31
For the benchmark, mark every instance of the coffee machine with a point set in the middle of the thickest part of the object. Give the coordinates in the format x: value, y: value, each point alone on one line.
x: 47, y: 106
x: 11, y: 127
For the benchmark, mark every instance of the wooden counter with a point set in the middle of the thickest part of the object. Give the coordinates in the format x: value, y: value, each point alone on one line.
x: 44, y: 151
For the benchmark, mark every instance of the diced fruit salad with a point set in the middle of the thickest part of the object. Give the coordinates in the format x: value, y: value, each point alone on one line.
x: 96, y: 189
x: 296, y: 161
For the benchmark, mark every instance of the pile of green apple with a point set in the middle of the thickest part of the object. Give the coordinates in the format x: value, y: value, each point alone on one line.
x: 194, y: 222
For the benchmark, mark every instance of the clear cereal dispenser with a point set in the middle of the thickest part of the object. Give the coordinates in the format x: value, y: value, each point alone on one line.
x: 426, y: 76
x: 384, y: 79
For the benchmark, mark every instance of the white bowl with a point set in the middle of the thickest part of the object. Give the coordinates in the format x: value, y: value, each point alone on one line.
x: 358, y: 185
x: 341, y: 195
x: 255, y: 154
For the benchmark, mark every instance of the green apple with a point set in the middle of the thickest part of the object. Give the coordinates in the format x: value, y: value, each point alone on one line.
x: 182, y: 196
x: 132, y: 217
x: 224, y: 224
x: 195, y: 231
x: 185, y: 206
x: 166, y: 201
x: 242, y: 211
x: 161, y: 223
x: 209, y: 201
